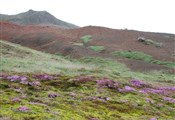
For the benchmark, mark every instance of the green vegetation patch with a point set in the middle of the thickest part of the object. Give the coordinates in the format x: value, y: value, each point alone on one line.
x: 141, y: 56
x: 97, y: 48
x: 86, y: 40
x: 133, y: 55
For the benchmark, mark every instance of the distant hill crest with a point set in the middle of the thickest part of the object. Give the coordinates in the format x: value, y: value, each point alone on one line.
x: 36, y: 18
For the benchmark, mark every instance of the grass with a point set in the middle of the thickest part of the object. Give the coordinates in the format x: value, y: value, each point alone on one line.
x: 141, y: 56
x: 21, y: 59
x: 15, y: 58
x: 97, y: 48
x: 133, y: 55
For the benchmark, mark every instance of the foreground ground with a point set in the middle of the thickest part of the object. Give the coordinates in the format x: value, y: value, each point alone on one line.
x: 57, y: 97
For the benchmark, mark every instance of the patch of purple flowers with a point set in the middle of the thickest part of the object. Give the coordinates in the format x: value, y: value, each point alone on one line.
x: 153, y: 119
x: 44, y: 77
x: 168, y: 99
x: 23, y: 109
x: 167, y: 88
x: 15, y: 78
x: 35, y: 83
x: 138, y: 83
x: 151, y: 90
x: 107, y: 83
x: 16, y: 100
x: 128, y: 88
x: 83, y: 79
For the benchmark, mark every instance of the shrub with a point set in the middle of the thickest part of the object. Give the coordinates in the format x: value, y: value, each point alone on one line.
x: 97, y: 48
x: 86, y: 39
x: 170, y: 64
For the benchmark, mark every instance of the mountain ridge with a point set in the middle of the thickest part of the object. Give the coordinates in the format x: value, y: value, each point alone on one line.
x: 32, y: 17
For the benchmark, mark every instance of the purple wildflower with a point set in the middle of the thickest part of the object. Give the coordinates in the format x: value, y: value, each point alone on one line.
x: 172, y: 88
x: 16, y: 100
x: 23, y: 78
x: 18, y: 89
x: 107, y: 83
x: 153, y: 119
x: 35, y: 83
x: 23, y: 109
x: 23, y: 96
x: 168, y: 99
x: 44, y: 77
x: 72, y: 94
x: 151, y: 90
x: 94, y: 119
x: 167, y: 88
x: 137, y: 83
x: 128, y: 88
x: 13, y: 78
x: 83, y: 79
x: 24, y: 82
x: 108, y: 98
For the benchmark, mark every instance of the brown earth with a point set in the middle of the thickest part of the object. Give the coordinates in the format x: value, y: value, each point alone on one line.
x: 56, y: 40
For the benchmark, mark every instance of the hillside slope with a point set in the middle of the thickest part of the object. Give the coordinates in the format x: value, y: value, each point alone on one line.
x: 16, y: 58
x: 70, y: 42
x: 36, y: 18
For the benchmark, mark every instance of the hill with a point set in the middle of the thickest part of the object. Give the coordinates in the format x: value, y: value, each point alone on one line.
x: 37, y: 85
x: 19, y: 59
x: 32, y: 17
x: 154, y: 51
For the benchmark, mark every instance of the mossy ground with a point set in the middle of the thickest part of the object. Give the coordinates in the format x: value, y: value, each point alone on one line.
x: 88, y: 101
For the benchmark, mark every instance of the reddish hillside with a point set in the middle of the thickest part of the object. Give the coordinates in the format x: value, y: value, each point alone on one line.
x: 56, y: 40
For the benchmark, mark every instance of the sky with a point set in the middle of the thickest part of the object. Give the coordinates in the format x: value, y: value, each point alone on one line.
x: 142, y: 15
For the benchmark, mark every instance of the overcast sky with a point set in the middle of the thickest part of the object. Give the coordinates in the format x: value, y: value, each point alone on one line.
x: 143, y: 15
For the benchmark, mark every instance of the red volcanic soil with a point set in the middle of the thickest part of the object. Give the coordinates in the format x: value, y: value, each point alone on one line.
x: 57, y: 40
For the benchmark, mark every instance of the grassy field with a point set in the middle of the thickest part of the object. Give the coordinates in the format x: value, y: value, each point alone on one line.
x: 15, y: 58
x: 41, y: 86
